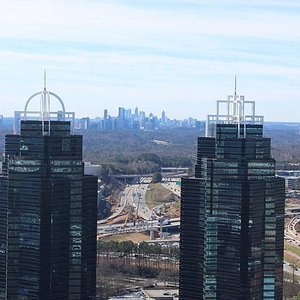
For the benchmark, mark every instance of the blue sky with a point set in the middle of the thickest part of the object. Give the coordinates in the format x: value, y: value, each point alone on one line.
x: 173, y: 55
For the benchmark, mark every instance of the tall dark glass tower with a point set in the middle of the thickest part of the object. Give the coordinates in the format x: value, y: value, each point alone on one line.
x: 51, y: 214
x: 232, y: 213
x: 3, y: 236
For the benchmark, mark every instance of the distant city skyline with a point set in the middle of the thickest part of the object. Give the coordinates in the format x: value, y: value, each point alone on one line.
x: 172, y: 55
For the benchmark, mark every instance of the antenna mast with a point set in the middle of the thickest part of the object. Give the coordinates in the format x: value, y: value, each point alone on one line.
x: 45, y: 79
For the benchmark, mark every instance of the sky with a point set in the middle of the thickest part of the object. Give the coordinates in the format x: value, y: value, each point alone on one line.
x: 174, y: 55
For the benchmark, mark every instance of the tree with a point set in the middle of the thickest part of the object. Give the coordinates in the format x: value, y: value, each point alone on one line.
x: 294, y: 264
x: 156, y: 177
x: 144, y: 248
x: 127, y: 247
x: 150, y: 157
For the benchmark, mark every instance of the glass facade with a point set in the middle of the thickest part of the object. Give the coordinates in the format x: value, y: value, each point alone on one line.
x: 232, y: 219
x: 3, y: 236
x: 51, y: 215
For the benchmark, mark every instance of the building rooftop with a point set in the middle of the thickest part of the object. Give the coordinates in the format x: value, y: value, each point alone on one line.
x: 234, y: 110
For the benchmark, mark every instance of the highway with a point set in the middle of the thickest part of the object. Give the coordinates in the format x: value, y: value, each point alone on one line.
x: 139, y: 201
x: 133, y: 195
x: 172, y: 187
x: 123, y: 202
x: 290, y: 233
x: 292, y: 237
x: 139, y: 226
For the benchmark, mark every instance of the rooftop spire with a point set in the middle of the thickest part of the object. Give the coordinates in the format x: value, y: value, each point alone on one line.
x: 45, y: 79
x: 235, y: 81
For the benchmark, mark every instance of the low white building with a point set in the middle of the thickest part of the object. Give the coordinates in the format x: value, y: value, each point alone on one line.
x: 90, y: 169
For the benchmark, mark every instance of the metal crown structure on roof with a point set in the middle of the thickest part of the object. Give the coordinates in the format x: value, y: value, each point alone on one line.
x: 234, y: 110
x: 44, y: 114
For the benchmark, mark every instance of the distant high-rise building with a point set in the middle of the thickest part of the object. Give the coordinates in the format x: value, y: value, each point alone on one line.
x: 52, y: 213
x: 136, y: 111
x: 163, y: 116
x: 128, y: 113
x: 107, y: 124
x: 84, y: 123
x: 232, y: 212
x: 121, y: 113
x: 142, y: 116
x: 105, y: 114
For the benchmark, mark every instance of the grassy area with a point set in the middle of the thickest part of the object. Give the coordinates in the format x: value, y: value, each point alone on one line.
x: 293, y: 249
x: 135, y: 237
x: 157, y: 194
x: 290, y: 259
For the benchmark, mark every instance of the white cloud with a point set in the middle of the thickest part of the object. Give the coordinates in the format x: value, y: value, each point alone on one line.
x: 111, y: 50
x: 91, y: 21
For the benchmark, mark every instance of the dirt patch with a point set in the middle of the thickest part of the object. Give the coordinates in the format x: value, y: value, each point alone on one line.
x: 118, y: 220
x: 291, y: 200
x: 173, y: 210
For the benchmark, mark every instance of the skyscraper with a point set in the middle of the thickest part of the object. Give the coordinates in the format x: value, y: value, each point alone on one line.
x: 232, y: 212
x: 51, y: 212
x: 121, y: 112
x: 163, y: 117
x: 105, y: 115
x: 3, y: 236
